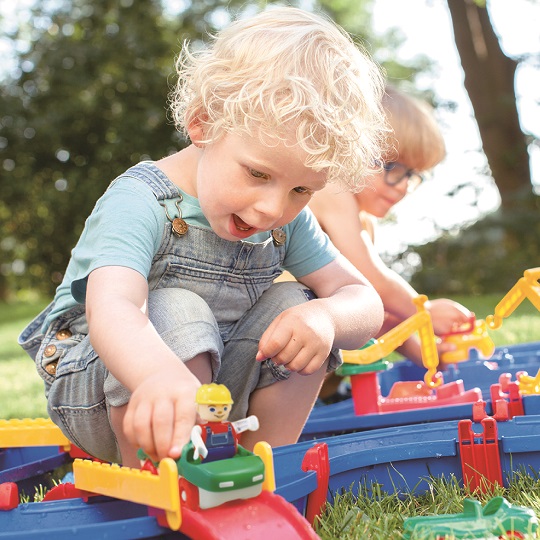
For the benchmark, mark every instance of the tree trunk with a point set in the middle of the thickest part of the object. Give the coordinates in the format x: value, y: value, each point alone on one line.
x: 489, y: 81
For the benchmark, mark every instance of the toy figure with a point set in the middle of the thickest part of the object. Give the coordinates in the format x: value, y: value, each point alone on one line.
x: 215, y: 437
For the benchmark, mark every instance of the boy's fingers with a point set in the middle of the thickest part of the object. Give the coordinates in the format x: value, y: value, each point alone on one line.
x: 142, y: 432
x: 306, y: 362
x: 274, y: 340
x: 162, y: 427
x: 183, y: 423
x: 290, y: 353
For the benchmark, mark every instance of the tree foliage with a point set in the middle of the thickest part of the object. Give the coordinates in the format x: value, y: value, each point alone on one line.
x: 489, y: 256
x: 88, y: 101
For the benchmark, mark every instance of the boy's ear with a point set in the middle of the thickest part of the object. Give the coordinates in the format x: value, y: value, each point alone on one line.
x: 195, y: 129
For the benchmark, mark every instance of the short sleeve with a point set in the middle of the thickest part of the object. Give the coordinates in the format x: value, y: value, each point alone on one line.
x: 124, y: 229
x: 308, y: 247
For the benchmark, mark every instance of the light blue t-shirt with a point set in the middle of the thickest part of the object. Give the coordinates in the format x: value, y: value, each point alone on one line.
x: 126, y: 228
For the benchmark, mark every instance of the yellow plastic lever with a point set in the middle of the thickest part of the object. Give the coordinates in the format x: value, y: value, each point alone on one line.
x: 143, y: 487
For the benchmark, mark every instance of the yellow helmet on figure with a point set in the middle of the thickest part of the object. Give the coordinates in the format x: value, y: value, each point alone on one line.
x: 213, y: 394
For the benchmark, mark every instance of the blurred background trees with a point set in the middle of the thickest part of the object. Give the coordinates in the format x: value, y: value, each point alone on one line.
x: 491, y: 254
x: 87, y: 98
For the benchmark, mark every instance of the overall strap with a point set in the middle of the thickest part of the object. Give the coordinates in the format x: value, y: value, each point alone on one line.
x: 150, y: 174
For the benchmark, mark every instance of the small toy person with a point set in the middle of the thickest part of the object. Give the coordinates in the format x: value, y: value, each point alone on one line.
x: 215, y: 437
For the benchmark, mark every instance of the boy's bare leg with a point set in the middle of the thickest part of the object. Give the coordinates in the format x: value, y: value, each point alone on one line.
x: 199, y: 366
x: 128, y: 452
x: 282, y: 409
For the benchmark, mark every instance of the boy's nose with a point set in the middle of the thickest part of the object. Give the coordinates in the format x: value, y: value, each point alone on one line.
x: 271, y: 209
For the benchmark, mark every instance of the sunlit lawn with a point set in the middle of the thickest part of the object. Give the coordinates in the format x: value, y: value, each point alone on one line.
x: 21, y: 389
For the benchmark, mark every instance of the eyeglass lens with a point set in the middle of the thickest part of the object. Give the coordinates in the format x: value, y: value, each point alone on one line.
x: 395, y: 173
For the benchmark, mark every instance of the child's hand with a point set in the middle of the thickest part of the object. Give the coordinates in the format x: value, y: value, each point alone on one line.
x: 299, y: 339
x: 447, y: 315
x: 161, y: 414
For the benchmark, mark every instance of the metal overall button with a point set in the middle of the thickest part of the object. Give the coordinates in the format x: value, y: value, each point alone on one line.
x: 51, y: 368
x: 49, y: 351
x: 63, y: 334
x: 279, y: 237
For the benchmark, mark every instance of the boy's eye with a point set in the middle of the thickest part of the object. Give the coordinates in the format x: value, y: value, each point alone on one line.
x: 301, y: 189
x: 257, y: 174
x: 212, y: 409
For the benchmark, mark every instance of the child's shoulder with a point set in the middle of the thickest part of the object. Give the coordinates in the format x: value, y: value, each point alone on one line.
x: 146, y: 180
x: 132, y: 193
x: 332, y: 200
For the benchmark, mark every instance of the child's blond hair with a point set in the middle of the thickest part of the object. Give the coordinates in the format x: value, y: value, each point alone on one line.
x: 417, y: 138
x: 285, y: 69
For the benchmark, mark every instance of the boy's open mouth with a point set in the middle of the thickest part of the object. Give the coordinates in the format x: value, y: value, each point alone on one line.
x: 240, y: 224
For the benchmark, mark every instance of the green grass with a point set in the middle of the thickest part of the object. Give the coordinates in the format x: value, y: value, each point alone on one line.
x: 21, y: 389
x: 376, y: 515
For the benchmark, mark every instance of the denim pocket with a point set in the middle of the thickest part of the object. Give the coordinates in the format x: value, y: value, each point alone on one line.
x: 31, y: 337
x: 88, y: 428
x: 49, y: 348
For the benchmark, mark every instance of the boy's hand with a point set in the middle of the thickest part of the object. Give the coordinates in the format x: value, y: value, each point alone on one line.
x: 161, y: 414
x: 299, y: 339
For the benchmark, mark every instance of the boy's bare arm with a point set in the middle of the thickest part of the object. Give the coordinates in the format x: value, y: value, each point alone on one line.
x: 346, y: 313
x: 161, y: 410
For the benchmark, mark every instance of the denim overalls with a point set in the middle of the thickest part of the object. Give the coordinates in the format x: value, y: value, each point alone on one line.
x: 206, y: 294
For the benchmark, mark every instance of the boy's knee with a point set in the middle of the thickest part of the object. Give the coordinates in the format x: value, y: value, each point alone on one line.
x: 169, y: 307
x: 288, y: 294
x: 186, y: 324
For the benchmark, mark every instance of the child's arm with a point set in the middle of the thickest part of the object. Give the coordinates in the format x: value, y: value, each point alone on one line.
x: 162, y: 409
x: 338, y: 215
x: 346, y: 313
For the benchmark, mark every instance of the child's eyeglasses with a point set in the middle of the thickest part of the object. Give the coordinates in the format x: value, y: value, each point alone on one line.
x: 395, y: 173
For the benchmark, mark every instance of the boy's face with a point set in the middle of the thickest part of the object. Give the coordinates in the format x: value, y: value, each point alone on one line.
x: 214, y: 413
x: 245, y: 187
x: 377, y: 198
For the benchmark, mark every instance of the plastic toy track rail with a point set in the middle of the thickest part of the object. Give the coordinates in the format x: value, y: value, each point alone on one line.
x: 31, y: 432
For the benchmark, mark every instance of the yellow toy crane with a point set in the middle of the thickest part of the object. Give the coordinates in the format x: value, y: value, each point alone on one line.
x: 419, y: 322
x: 475, y: 336
x: 526, y: 287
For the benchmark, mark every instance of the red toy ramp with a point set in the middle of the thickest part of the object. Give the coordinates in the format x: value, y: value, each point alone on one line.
x: 266, y: 516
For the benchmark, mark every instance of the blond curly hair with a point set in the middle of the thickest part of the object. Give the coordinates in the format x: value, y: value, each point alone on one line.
x: 288, y: 69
